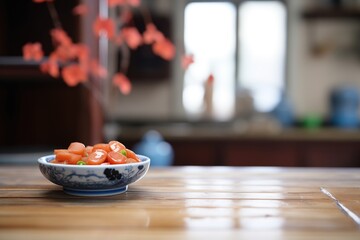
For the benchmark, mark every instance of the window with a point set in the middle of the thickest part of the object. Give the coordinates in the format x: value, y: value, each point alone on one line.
x: 243, y: 44
x: 262, y: 46
x: 210, y: 36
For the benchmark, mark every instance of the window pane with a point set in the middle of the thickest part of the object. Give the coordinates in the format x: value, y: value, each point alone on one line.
x: 209, y: 34
x: 262, y: 44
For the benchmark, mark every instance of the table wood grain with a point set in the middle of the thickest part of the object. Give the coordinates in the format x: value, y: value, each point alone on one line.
x: 188, y: 203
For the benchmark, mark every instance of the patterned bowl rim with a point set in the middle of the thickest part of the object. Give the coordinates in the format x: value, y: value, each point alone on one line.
x: 44, y: 160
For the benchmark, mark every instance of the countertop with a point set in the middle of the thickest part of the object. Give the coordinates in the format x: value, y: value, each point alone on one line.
x: 188, y: 203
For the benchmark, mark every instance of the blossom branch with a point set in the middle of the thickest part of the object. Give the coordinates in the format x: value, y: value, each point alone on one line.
x: 71, y: 60
x: 125, y: 58
x: 54, y: 14
x: 146, y: 15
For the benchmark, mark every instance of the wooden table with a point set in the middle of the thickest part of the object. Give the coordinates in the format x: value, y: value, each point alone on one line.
x: 188, y: 203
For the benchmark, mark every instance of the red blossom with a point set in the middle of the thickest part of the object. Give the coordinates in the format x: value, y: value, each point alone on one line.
x: 74, y: 74
x: 33, y: 51
x: 134, y: 3
x: 81, y: 9
x: 126, y: 16
x: 122, y: 82
x: 65, y: 53
x: 104, y: 26
x: 75, y: 57
x: 187, y: 60
x: 97, y: 70
x: 151, y: 34
x: 132, y: 37
x: 51, y: 66
x: 82, y: 52
x: 60, y: 37
x: 164, y: 48
x: 119, y: 40
x: 113, y: 3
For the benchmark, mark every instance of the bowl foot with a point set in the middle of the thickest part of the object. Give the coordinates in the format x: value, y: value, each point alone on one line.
x: 95, y: 193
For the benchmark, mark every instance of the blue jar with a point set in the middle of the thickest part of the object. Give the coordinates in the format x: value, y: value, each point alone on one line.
x: 153, y: 146
x: 344, y: 103
x: 283, y: 112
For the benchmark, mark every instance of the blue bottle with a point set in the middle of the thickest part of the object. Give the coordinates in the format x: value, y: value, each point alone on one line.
x: 344, y: 103
x: 283, y: 112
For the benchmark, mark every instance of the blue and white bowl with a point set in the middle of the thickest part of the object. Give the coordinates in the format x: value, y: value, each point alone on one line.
x: 93, y: 180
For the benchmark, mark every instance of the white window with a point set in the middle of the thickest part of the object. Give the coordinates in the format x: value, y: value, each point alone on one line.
x: 210, y: 36
x: 262, y: 50
x: 241, y: 45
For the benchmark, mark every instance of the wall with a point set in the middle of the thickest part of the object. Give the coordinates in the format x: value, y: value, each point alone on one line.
x: 310, y: 77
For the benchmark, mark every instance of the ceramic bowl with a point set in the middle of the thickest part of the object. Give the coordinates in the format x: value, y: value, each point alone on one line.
x: 95, y: 180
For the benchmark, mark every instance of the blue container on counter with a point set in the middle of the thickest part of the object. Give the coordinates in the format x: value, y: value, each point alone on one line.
x: 153, y: 146
x: 283, y: 112
x: 344, y: 103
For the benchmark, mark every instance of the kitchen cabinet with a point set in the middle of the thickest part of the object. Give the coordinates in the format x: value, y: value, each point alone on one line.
x: 320, y: 153
x: 289, y: 148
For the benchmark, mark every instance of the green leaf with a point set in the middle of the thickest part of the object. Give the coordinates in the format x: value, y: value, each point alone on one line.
x: 123, y: 152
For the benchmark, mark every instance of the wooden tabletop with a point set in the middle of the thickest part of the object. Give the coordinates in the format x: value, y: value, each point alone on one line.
x: 188, y: 203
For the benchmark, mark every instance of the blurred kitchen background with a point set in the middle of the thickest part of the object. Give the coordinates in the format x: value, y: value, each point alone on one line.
x: 284, y: 89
